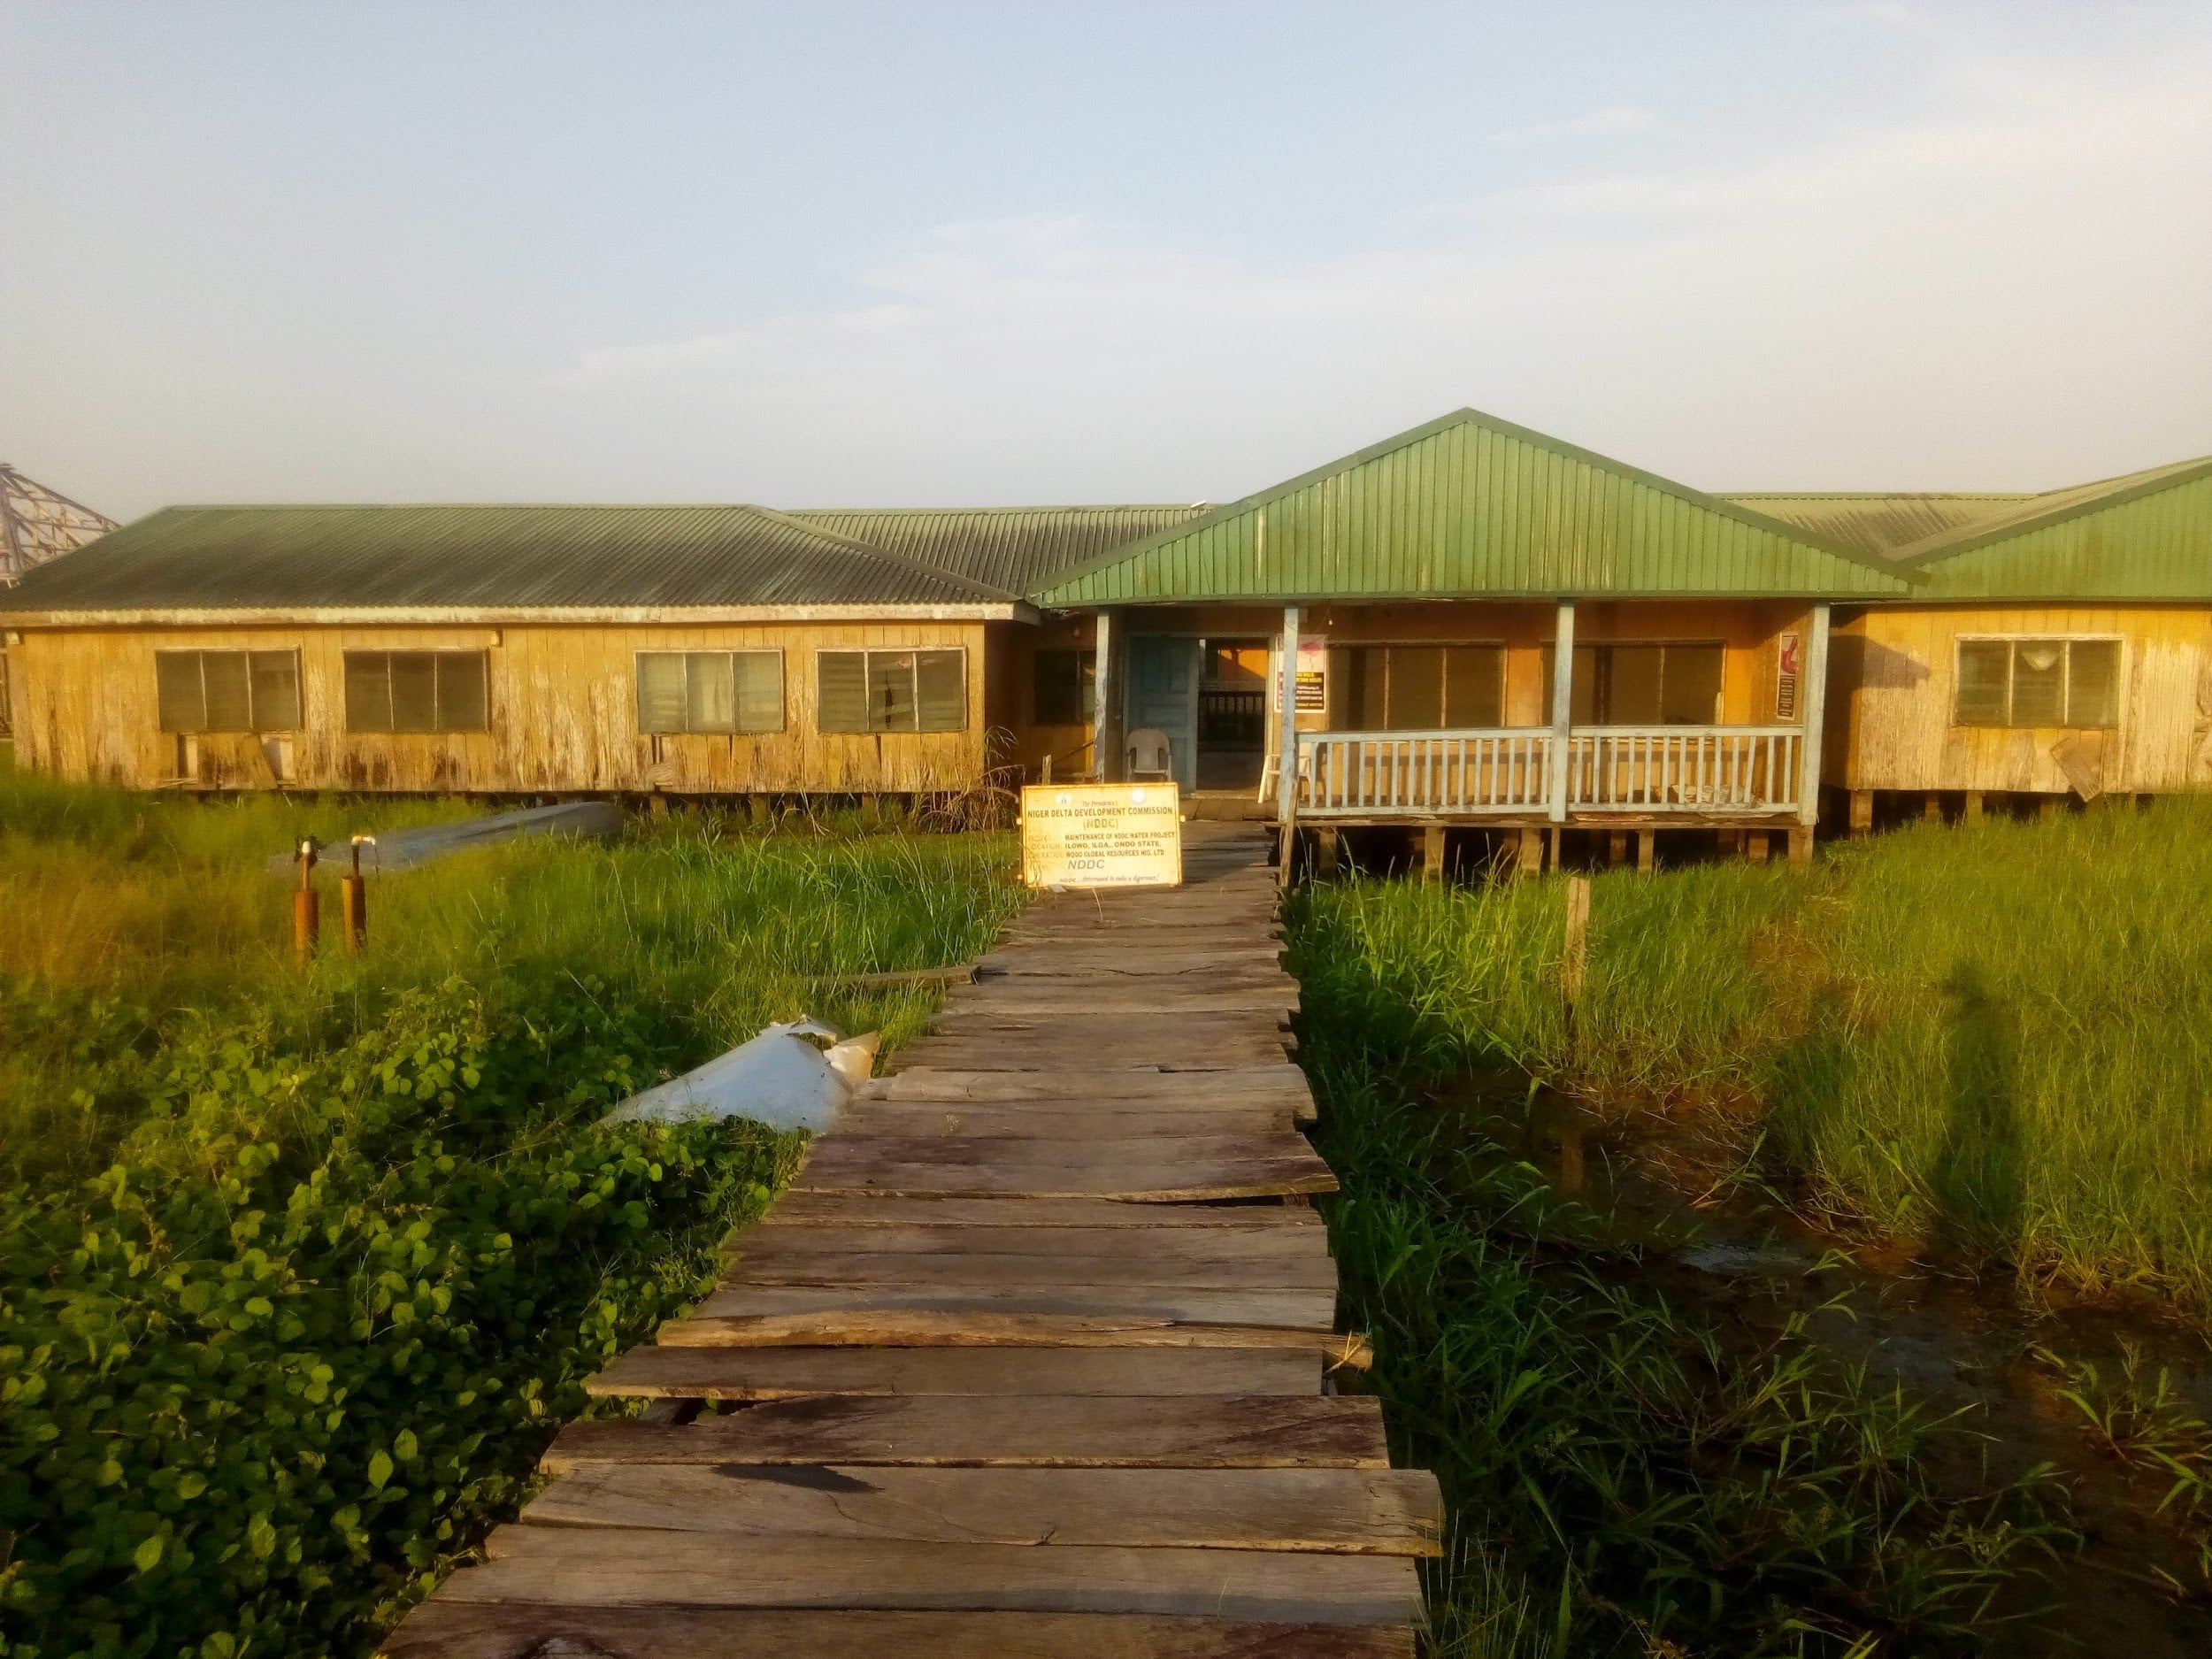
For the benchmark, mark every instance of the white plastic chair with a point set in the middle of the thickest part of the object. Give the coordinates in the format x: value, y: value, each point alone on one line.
x: 1273, y: 770
x: 1150, y: 756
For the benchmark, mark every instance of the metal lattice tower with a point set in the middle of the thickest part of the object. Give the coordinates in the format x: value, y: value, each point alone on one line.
x: 37, y: 524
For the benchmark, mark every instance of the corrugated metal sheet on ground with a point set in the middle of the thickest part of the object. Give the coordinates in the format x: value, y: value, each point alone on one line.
x: 476, y: 557
x: 1473, y: 505
x: 1015, y: 548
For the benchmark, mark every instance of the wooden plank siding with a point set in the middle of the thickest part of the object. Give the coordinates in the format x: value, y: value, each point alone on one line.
x: 1892, y: 679
x: 562, y: 713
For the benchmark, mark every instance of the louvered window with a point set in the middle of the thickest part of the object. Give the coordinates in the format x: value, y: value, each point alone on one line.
x: 710, y: 691
x: 228, y: 691
x: 1417, y: 687
x: 891, y: 691
x: 417, y: 691
x: 2051, y: 683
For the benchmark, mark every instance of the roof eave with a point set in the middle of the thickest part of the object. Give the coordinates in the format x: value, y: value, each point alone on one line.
x: 505, y: 616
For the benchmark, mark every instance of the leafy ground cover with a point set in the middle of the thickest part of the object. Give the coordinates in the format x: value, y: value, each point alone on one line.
x: 1993, y: 1043
x: 299, y: 1269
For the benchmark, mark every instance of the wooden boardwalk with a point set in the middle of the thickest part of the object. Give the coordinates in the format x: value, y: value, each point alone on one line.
x: 1032, y: 1361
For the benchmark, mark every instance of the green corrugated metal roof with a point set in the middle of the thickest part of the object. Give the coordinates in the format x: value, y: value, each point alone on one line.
x: 479, y: 556
x: 1470, y: 505
x: 1014, y: 547
x: 2144, y: 536
x: 1875, y: 522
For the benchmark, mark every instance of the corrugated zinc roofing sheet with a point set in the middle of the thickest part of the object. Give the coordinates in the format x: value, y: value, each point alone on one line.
x: 476, y: 557
x: 1876, y: 523
x: 1014, y: 547
x: 1473, y: 505
x: 2146, y: 536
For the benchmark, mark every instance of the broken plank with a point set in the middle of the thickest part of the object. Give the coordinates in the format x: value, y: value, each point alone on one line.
x: 1033, y: 1430
x: 611, y: 1566
x: 780, y: 1373
x: 1361, y: 1511
x: 443, y: 1629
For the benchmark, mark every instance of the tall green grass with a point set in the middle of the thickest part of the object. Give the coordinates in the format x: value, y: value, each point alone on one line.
x: 1994, y: 1041
x: 300, y: 1265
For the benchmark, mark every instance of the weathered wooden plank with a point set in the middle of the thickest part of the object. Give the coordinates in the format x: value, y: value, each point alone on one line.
x: 972, y: 1271
x: 1365, y: 1511
x: 1035, y: 1050
x: 1045, y: 961
x: 801, y: 1241
x: 1068, y: 1120
x: 783, y: 1373
x: 802, y: 1209
x: 1122, y: 1001
x: 449, y: 1629
x: 926, y: 1327
x: 1031, y: 1431
x: 910, y: 1167
x: 614, y: 1567
x: 1303, y: 1310
x: 1272, y: 1080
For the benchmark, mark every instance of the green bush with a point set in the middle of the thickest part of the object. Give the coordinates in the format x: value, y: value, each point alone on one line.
x: 312, y: 1329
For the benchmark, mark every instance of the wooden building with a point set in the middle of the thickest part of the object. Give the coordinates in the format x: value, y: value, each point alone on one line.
x: 1488, y: 629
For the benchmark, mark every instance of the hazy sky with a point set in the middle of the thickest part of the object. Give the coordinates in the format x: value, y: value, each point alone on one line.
x: 824, y: 254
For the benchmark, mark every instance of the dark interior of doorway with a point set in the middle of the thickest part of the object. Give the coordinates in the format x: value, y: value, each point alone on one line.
x: 1232, y: 713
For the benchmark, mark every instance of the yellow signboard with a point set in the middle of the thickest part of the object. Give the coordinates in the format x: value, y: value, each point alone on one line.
x: 1101, y: 835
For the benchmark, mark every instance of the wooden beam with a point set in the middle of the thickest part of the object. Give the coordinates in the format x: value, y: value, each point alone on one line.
x: 1813, y: 701
x: 1562, y: 675
x: 1862, y: 814
x: 1286, y: 747
x: 1105, y: 730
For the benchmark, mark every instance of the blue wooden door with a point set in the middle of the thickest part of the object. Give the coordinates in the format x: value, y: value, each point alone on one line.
x: 1163, y: 693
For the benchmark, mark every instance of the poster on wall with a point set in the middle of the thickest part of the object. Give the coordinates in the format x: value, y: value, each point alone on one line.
x: 1101, y: 835
x: 1313, y: 678
x: 1789, y: 661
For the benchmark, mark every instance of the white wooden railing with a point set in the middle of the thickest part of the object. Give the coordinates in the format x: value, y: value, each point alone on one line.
x: 1732, y: 771
x: 1349, y: 774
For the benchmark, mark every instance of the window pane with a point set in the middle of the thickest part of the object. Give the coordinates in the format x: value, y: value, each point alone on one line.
x: 842, y: 692
x: 463, y: 702
x: 1690, y: 686
x: 710, y: 692
x: 660, y: 691
x: 890, y: 691
x: 1985, y: 682
x: 414, y: 691
x: 1366, y: 671
x: 1474, y: 687
x: 368, y: 691
x: 941, y: 690
x: 1064, y: 684
x: 2039, y: 682
x: 1631, y: 678
x: 177, y: 691
x: 229, y: 694
x: 1415, y: 703
x: 759, y: 676
x: 276, y: 690
x: 2093, y: 690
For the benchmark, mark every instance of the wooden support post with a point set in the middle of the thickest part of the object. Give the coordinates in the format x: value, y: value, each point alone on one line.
x: 306, y: 911
x: 1574, y: 958
x: 1103, y: 691
x: 1812, y: 702
x: 1286, y: 743
x: 1529, y: 861
x: 1754, y: 846
x: 1646, y: 850
x: 656, y: 803
x: 1325, y: 849
x: 2050, y: 806
x: 1562, y: 674
x: 1616, y: 849
x: 1862, y: 814
x: 1432, y: 852
x: 1554, y: 846
x: 1932, y: 807
x: 1801, y: 844
x: 1973, y: 806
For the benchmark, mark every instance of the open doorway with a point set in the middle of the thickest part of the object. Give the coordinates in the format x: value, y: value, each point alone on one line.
x: 1232, y: 713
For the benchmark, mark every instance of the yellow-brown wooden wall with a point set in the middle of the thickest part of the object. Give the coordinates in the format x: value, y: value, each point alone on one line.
x: 1892, y: 678
x: 563, y: 713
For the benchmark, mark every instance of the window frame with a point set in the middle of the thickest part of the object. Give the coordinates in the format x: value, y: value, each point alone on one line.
x: 685, y: 654
x: 438, y: 727
x: 2067, y: 641
x: 1503, y: 648
x: 254, y: 725
x: 1546, y: 669
x: 867, y: 654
